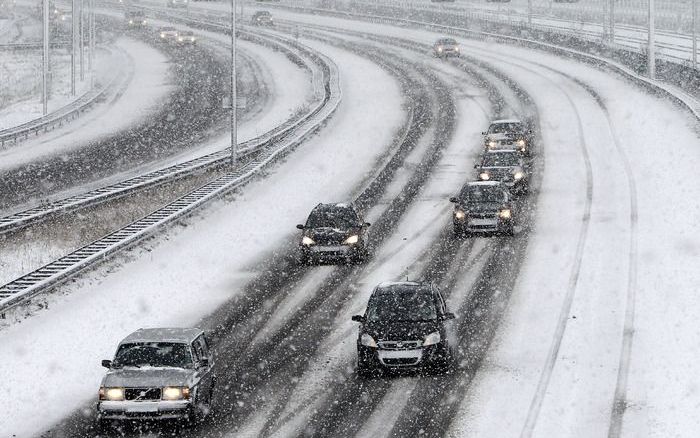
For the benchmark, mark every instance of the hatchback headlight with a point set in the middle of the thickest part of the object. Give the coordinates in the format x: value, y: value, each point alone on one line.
x: 175, y: 393
x: 368, y: 341
x: 459, y: 214
x: 112, y: 394
x: 352, y: 240
x: 306, y: 240
x: 162, y: 35
x: 432, y: 339
x: 518, y: 175
x: 493, y: 144
x: 484, y: 176
x: 505, y: 213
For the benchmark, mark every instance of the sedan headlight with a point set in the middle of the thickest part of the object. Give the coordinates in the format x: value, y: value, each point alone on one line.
x: 493, y: 144
x: 162, y: 35
x: 505, y: 213
x: 352, y: 240
x: 368, y: 341
x: 431, y: 339
x: 180, y: 39
x: 112, y: 394
x: 484, y: 176
x: 175, y: 393
x: 520, y: 142
x: 306, y: 240
x: 518, y: 175
x: 459, y: 214
x: 439, y: 49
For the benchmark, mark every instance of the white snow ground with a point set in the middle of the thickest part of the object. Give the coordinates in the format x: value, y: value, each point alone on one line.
x: 191, y: 270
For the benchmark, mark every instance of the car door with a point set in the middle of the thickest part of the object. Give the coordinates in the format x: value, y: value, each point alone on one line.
x: 449, y: 324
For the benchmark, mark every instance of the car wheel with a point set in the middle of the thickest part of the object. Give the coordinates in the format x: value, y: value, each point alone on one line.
x: 458, y: 232
x: 364, y: 370
x: 304, y: 258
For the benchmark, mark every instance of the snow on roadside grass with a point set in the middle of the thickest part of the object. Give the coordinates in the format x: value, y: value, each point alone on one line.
x: 187, y: 273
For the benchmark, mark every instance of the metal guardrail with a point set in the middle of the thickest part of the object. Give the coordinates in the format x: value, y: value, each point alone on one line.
x: 44, y: 211
x: 54, y: 273
x: 58, y: 117
x: 33, y: 46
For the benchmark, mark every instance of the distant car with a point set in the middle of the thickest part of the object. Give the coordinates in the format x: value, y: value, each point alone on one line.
x: 406, y: 326
x: 261, y: 18
x: 167, y: 34
x: 484, y: 207
x: 186, y: 37
x: 159, y: 373
x: 445, y: 47
x: 66, y: 17
x: 508, y: 134
x: 334, y: 232
x: 135, y: 18
x: 176, y: 3
x: 506, y: 166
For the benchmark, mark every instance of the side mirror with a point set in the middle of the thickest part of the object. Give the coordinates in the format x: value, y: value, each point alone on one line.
x: 476, y: 166
x: 300, y: 226
x: 204, y: 362
x: 483, y: 133
x: 358, y: 318
x: 453, y: 199
x: 448, y: 315
x: 106, y: 363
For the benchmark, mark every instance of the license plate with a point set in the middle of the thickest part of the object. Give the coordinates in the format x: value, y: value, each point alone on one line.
x: 400, y: 354
x: 481, y: 222
x: 328, y: 248
x: 143, y: 408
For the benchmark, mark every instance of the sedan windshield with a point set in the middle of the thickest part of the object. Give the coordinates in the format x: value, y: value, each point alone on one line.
x: 500, y: 160
x: 504, y: 128
x: 401, y: 306
x: 482, y: 194
x: 154, y: 354
x: 341, y: 218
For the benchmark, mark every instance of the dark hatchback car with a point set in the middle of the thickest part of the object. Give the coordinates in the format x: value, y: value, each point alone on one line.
x: 406, y: 326
x: 261, y: 18
x: 334, y: 232
x: 508, y: 134
x: 483, y: 207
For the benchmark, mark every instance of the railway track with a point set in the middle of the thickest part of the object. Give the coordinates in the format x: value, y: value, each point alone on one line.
x: 259, y: 154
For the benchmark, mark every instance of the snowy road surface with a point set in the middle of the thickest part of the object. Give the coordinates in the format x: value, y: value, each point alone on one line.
x: 583, y: 324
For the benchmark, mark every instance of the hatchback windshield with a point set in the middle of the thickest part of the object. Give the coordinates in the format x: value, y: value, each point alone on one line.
x: 155, y: 354
x: 482, y: 194
x: 401, y: 306
x: 500, y: 160
x: 448, y: 42
x: 502, y: 128
x: 342, y: 218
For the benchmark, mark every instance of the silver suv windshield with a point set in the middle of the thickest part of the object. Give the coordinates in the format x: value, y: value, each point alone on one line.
x: 153, y: 354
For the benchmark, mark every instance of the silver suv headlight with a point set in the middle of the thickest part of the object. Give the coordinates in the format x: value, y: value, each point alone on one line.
x: 352, y: 239
x: 111, y: 394
x: 171, y: 393
x: 306, y: 240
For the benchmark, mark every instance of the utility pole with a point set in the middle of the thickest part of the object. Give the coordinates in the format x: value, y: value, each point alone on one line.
x: 45, y: 58
x: 611, y: 16
x: 234, y: 125
x: 529, y: 13
x: 74, y: 44
x: 652, y: 55
x: 695, y: 37
x: 82, y: 43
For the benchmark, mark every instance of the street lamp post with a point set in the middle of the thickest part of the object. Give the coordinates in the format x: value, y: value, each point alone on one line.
x: 611, y: 13
x: 234, y: 127
x: 81, y: 45
x: 45, y: 58
x: 695, y: 37
x: 73, y: 45
x: 652, y: 55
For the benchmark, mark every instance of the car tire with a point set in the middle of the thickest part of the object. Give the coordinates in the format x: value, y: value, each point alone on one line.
x: 304, y: 258
x: 364, y: 371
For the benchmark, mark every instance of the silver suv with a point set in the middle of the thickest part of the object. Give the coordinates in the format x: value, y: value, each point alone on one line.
x: 159, y: 373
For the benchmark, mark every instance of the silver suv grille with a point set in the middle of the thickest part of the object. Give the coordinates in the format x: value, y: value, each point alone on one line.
x: 142, y: 394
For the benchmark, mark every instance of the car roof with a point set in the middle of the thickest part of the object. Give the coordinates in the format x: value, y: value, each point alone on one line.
x: 391, y: 286
x: 506, y: 121
x: 331, y: 205
x: 163, y: 335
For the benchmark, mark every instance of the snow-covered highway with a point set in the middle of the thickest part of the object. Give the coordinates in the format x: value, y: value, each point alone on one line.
x: 582, y: 324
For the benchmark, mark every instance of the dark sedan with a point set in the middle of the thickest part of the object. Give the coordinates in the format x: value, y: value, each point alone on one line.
x: 483, y: 207
x: 406, y: 326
